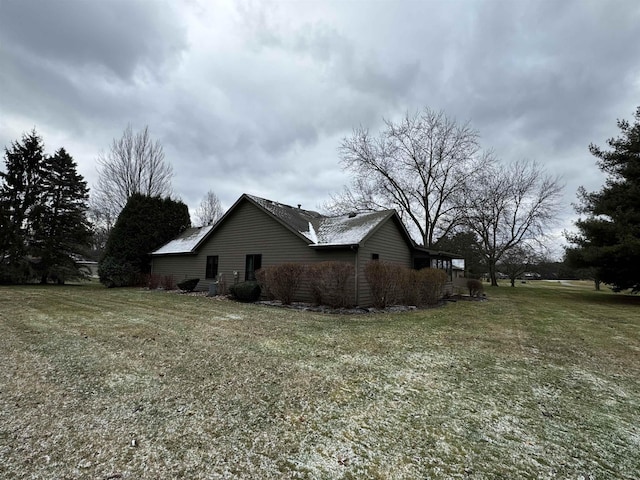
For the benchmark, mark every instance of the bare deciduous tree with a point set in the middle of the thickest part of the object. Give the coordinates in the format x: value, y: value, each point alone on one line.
x: 517, y: 260
x: 209, y: 210
x: 418, y: 166
x: 134, y: 164
x: 509, y: 207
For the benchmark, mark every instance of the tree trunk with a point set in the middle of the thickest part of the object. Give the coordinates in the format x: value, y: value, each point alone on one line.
x: 513, y: 282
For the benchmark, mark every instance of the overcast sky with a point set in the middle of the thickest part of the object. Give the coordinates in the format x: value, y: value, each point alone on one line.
x: 256, y: 96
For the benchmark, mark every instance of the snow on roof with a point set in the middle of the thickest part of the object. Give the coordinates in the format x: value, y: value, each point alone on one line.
x: 296, y: 218
x: 185, y: 242
x: 311, y: 234
x: 348, y: 229
x: 320, y: 230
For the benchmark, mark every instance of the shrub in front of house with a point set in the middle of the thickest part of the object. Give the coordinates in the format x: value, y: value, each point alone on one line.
x: 431, y: 283
x: 475, y: 287
x: 153, y: 281
x: 245, y: 291
x: 332, y: 283
x: 281, y: 282
x: 396, y: 284
x: 263, y: 277
x: 386, y: 281
x: 168, y: 282
x: 188, y: 285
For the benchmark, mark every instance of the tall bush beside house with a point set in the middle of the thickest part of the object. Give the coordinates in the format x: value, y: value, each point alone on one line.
x: 410, y: 290
x: 386, y: 281
x: 432, y: 282
x: 281, y: 282
x: 396, y: 284
x: 332, y: 283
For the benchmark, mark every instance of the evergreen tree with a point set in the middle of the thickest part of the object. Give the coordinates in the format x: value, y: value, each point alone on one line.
x: 60, y: 226
x: 19, y: 195
x: 608, y: 240
x: 43, y: 202
x: 145, y: 224
x: 467, y: 245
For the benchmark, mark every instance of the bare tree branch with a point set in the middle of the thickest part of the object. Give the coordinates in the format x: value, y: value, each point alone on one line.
x: 133, y: 164
x: 418, y: 166
x: 209, y: 210
x: 511, y: 207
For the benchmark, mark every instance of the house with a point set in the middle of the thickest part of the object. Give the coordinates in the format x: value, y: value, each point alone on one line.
x: 256, y: 233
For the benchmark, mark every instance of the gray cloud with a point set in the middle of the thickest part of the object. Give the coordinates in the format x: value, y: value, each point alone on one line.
x: 256, y: 96
x: 115, y: 37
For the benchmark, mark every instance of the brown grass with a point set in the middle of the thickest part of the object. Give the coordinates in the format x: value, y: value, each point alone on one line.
x: 541, y: 381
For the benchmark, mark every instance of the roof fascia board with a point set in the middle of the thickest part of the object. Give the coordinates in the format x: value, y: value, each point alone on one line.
x: 334, y: 246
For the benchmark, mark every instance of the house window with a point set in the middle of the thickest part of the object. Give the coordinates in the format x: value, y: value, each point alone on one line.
x: 253, y: 263
x: 375, y: 256
x: 212, y: 267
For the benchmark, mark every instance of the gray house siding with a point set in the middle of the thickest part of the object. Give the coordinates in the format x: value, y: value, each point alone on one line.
x: 180, y: 267
x: 255, y: 226
x: 250, y: 231
x: 390, y: 246
x: 247, y: 231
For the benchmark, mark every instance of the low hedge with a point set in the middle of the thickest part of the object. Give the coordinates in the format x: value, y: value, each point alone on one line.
x: 188, y: 285
x: 391, y: 284
x: 245, y: 291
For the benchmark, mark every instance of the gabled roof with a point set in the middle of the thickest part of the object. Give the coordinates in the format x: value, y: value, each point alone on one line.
x: 324, y: 231
x: 319, y: 231
x: 186, y: 242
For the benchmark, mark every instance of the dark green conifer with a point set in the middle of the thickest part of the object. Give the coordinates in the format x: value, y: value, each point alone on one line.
x: 608, y: 240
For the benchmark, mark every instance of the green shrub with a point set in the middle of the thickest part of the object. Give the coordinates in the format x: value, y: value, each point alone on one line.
x: 188, y: 285
x: 115, y: 274
x: 245, y: 291
x: 281, y: 282
x: 144, y: 224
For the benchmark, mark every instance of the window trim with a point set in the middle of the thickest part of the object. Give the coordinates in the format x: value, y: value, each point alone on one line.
x: 250, y: 267
x: 215, y: 263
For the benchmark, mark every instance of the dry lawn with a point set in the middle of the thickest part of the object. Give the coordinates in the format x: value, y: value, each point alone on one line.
x: 541, y: 381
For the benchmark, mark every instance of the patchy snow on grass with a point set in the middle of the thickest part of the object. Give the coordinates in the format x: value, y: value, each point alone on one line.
x: 177, y: 386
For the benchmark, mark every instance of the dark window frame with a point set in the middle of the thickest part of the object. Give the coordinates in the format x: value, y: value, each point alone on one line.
x: 375, y: 257
x: 253, y: 262
x: 211, y: 269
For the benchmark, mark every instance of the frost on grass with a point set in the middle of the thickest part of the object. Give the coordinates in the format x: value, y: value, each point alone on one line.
x: 180, y: 387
